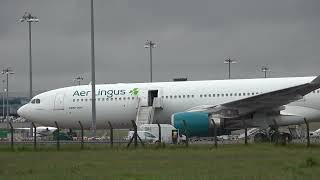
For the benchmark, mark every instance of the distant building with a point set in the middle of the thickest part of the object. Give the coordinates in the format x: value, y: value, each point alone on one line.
x: 14, y: 104
x: 180, y: 79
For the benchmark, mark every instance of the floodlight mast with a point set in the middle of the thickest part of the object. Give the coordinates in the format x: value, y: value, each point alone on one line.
x: 229, y: 62
x: 27, y: 17
x: 149, y: 44
x: 7, y: 72
x: 3, y: 95
x: 93, y: 75
x: 265, y: 70
x: 78, y: 80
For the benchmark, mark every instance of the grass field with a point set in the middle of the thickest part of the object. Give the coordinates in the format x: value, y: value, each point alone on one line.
x: 265, y: 161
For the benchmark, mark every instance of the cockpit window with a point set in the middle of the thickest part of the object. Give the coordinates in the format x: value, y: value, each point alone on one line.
x: 35, y: 101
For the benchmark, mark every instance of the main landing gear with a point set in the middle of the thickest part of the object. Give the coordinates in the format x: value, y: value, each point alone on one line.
x: 272, y: 135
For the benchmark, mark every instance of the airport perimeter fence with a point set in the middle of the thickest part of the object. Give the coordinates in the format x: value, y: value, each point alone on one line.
x: 135, y: 140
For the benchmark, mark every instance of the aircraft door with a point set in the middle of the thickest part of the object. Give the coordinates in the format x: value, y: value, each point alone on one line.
x: 143, y: 97
x: 151, y: 95
x: 147, y: 96
x: 59, y: 101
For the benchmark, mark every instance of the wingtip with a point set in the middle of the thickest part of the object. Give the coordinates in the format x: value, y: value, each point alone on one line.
x: 316, y: 80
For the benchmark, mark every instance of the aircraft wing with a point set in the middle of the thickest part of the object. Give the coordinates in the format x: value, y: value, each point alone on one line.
x: 273, y: 100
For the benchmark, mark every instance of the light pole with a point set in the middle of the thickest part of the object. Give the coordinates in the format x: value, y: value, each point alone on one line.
x: 229, y: 62
x: 7, y: 71
x: 265, y: 70
x: 93, y: 75
x: 78, y: 80
x: 27, y: 17
x: 3, y: 94
x: 149, y: 44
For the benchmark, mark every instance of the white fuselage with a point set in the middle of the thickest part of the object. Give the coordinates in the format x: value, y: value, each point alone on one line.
x: 118, y: 103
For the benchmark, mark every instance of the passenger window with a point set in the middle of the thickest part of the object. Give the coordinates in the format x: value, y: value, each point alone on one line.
x: 218, y: 95
x: 192, y: 96
x: 222, y: 95
x: 179, y: 96
x: 227, y: 94
x: 81, y: 100
x: 201, y: 95
x: 209, y: 95
x: 205, y: 95
x: 166, y: 97
x: 244, y: 94
x: 74, y: 100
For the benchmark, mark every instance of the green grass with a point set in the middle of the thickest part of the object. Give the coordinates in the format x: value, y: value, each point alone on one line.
x: 96, y: 162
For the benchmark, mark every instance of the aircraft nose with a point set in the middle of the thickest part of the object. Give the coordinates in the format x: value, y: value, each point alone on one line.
x: 22, y: 111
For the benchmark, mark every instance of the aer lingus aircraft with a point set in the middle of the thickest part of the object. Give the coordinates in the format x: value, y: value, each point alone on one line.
x: 230, y: 103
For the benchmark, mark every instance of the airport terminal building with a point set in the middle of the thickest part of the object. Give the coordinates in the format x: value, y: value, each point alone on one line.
x: 14, y: 103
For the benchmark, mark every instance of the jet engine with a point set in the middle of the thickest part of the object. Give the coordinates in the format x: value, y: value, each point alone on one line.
x: 196, y: 124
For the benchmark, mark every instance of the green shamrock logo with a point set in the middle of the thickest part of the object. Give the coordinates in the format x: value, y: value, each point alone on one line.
x: 134, y: 91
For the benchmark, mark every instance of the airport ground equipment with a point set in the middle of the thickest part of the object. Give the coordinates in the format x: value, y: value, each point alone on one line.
x: 296, y: 132
x: 146, y: 110
x: 250, y: 132
x: 4, y: 133
x: 186, y: 132
x: 135, y: 136
x: 166, y: 132
x: 57, y: 137
x: 111, y: 134
x: 34, y: 136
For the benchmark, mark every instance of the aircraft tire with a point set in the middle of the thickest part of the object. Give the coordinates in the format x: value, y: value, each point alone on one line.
x: 286, y: 137
x: 260, y: 138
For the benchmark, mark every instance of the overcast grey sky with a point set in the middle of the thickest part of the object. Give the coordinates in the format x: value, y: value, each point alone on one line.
x: 194, y: 37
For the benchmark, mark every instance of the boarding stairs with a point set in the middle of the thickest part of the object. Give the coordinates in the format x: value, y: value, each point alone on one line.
x: 250, y: 132
x: 145, y: 114
x: 296, y: 132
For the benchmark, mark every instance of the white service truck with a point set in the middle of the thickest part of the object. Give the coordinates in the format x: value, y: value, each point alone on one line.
x: 145, y: 136
x: 168, y: 132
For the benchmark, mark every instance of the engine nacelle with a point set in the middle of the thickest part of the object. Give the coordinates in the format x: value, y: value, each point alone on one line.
x: 198, y: 124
